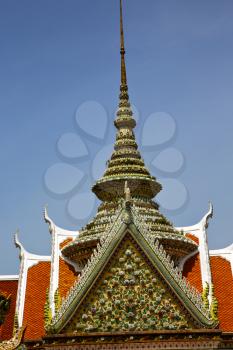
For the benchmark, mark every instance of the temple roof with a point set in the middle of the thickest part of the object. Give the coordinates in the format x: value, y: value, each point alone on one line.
x: 127, y: 223
x: 126, y: 166
x: 165, y: 269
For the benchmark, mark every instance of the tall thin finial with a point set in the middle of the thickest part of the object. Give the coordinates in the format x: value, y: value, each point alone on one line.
x: 123, y: 67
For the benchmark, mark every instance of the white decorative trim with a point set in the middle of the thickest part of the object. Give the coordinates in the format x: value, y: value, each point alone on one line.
x: 58, y: 236
x: 225, y: 253
x: 199, y: 230
x: 9, y: 277
x: 27, y: 260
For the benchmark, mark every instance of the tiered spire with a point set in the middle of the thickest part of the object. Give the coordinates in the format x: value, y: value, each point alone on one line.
x: 126, y: 177
x: 126, y: 163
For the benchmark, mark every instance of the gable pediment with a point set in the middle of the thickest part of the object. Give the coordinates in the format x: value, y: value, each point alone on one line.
x: 147, y: 275
x: 129, y: 295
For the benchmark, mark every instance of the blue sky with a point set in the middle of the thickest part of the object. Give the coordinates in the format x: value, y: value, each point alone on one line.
x: 57, y: 54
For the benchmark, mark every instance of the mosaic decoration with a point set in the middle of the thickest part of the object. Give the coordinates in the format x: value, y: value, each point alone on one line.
x: 214, y: 305
x: 205, y: 295
x: 127, y: 217
x: 130, y: 296
x: 47, y: 310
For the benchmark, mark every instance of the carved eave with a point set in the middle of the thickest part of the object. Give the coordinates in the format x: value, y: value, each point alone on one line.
x: 127, y: 223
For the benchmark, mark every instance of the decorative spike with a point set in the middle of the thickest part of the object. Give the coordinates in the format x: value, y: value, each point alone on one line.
x: 122, y: 51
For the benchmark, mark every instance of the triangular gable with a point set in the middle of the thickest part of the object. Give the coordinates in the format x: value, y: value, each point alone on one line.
x: 127, y: 223
x: 129, y: 295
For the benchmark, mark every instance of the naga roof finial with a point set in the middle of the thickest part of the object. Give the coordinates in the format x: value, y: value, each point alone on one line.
x: 48, y: 220
x: 18, y: 244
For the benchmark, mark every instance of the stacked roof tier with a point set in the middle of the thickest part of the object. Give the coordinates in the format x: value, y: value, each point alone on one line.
x: 174, y: 242
x: 126, y: 168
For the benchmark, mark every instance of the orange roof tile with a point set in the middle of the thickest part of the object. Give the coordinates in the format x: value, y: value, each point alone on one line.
x: 37, y: 284
x: 65, y: 242
x: 223, y: 285
x: 9, y: 287
x: 67, y: 277
x: 192, y: 271
x: 192, y: 237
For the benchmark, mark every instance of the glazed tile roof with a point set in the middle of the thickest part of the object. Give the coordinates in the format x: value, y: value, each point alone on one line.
x: 65, y: 242
x: 194, y: 238
x: 223, y: 285
x: 67, y: 277
x: 192, y: 271
x: 9, y: 287
x: 37, y: 284
x: 38, y: 280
